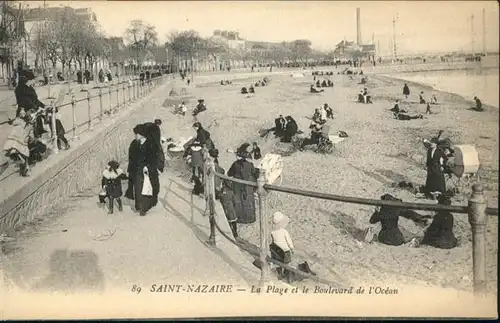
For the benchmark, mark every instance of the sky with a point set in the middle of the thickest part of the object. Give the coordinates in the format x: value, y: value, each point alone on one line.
x: 421, y: 26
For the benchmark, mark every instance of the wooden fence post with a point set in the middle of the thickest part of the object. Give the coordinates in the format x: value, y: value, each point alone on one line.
x: 55, y: 148
x: 478, y: 220
x: 264, y: 230
x: 100, y: 104
x: 209, y: 177
x: 73, y: 108
x: 117, y: 96
x: 89, y: 108
x: 124, y: 94
x: 110, y: 98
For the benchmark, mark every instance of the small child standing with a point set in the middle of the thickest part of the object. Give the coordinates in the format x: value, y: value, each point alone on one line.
x: 281, y: 245
x: 112, y: 185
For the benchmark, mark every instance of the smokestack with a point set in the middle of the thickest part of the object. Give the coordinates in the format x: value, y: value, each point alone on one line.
x: 358, y: 25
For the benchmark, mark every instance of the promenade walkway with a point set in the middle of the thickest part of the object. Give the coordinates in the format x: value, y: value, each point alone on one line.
x: 80, y: 248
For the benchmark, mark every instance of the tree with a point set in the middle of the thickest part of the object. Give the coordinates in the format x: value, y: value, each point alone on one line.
x: 141, y: 37
x: 186, y: 45
x: 12, y: 32
x: 300, y: 49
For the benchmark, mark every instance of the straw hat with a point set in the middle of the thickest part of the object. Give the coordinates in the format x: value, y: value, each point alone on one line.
x: 280, y: 220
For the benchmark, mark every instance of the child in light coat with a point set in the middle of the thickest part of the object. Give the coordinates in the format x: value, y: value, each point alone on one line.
x: 112, y: 185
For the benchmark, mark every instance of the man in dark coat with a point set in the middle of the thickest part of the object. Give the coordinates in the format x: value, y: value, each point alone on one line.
x: 133, y: 157
x: 79, y: 77
x: 280, y: 126
x: 290, y: 129
x: 436, y: 159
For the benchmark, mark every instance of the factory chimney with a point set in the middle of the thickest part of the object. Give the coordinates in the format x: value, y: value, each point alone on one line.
x: 358, y: 25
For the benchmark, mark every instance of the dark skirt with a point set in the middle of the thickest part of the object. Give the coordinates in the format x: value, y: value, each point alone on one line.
x: 278, y: 254
x: 226, y: 200
x: 392, y: 237
x: 244, y: 203
x: 435, y: 180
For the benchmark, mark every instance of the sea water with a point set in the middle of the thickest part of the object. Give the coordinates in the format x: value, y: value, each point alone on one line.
x: 480, y: 82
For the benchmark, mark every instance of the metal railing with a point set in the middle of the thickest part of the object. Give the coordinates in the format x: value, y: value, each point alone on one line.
x: 118, y: 95
x: 477, y: 211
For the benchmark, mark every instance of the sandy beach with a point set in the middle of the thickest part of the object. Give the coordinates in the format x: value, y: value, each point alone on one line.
x: 379, y: 151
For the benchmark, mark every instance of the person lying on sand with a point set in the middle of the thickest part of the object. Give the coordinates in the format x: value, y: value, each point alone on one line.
x: 312, y: 89
x: 479, y: 105
x: 421, y: 98
x: 405, y: 117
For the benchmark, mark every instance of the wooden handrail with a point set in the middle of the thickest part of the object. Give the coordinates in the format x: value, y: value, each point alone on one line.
x: 360, y: 200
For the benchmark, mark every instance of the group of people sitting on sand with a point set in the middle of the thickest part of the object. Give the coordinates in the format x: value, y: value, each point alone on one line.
x: 181, y: 109
x: 285, y: 128
x: 322, y: 113
x: 364, y: 97
x: 321, y: 73
x: 225, y: 82
x: 324, y: 83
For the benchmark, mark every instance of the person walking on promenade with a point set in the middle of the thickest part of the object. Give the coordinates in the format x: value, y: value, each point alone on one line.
x: 60, y: 131
x: 133, y: 157
x: 406, y: 91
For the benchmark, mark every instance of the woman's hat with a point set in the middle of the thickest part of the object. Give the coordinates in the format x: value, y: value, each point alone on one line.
x: 280, y: 220
x: 444, y: 199
x: 140, y: 129
x: 197, y: 124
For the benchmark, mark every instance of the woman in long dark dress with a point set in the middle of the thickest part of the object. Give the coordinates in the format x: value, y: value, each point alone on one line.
x: 406, y: 90
x: 244, y: 201
x: 388, y: 217
x: 436, y: 159
x: 440, y: 233
x: 146, y: 166
x: 153, y: 133
x: 203, y: 136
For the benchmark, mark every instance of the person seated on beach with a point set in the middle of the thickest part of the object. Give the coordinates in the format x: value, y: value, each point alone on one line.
x: 251, y: 89
x: 257, y: 84
x: 434, y: 100
x: 363, y: 81
x: 200, y: 107
x: 405, y: 117
x: 281, y: 246
x: 182, y: 109
x: 361, y: 97
x: 324, y: 84
x: 256, y: 153
x: 389, y: 234
x: 440, y: 233
x: 330, y: 83
x: 244, y: 90
x: 421, y: 98
x: 291, y: 129
x: 312, y: 89
x: 315, y: 136
x: 318, y: 83
x: 367, y: 99
x: 280, y: 126
x: 329, y: 111
x: 262, y: 83
x: 479, y: 105
x: 406, y: 91
x: 396, y: 108
x: 203, y: 136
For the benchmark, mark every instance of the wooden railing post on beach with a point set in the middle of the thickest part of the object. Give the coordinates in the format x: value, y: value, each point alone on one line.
x: 264, y: 230
x: 478, y: 220
x: 209, y: 177
x: 55, y: 148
